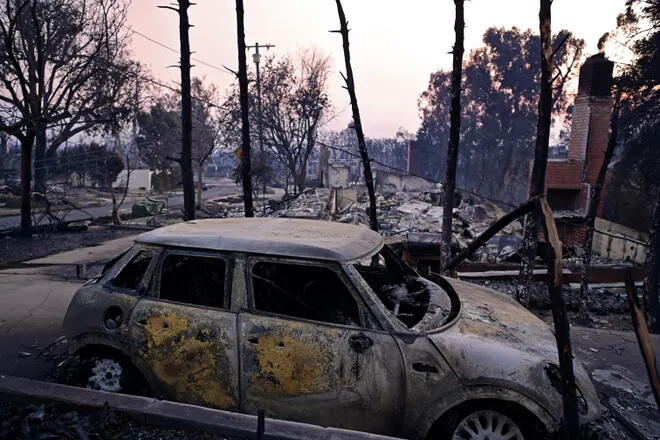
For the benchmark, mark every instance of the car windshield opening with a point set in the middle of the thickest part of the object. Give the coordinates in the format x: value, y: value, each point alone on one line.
x: 398, y: 287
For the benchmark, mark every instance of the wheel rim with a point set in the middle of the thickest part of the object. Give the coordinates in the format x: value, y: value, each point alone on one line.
x: 106, y: 376
x: 487, y: 425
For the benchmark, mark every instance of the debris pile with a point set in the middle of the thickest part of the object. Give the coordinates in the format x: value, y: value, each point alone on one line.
x: 413, y: 215
x: 50, y: 421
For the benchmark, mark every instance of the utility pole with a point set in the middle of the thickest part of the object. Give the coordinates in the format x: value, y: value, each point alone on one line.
x: 256, y: 57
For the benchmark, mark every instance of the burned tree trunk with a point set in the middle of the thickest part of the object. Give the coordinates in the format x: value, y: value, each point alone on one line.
x: 246, y: 172
x: 185, y: 160
x: 552, y: 253
x: 537, y: 181
x: 27, y: 143
x: 653, y: 269
x: 186, y: 115
x: 40, y: 162
x: 200, y: 183
x: 593, y: 208
x: 454, y: 134
x: 350, y: 86
x: 643, y: 337
x: 525, y: 208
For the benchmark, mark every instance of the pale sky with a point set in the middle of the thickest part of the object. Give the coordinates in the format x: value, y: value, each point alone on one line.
x: 395, y: 44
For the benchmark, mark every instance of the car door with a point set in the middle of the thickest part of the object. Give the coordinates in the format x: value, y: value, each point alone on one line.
x: 311, y: 352
x: 184, y: 334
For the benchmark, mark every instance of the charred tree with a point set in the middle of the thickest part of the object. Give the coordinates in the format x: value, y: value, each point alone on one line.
x: 653, y: 269
x: 552, y: 254
x: 246, y: 172
x: 643, y: 337
x: 350, y: 86
x: 454, y: 133
x: 537, y: 181
x: 186, y: 115
x: 185, y: 159
x: 27, y: 142
x: 596, y: 191
x: 503, y: 222
x: 56, y: 59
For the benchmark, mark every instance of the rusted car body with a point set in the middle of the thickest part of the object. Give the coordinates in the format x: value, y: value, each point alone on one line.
x: 316, y: 322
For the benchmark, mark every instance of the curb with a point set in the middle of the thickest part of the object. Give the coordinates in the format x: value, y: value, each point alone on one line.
x: 172, y: 415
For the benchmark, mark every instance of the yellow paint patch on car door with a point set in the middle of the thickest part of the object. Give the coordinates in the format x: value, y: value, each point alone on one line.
x: 292, y: 366
x: 190, y: 352
x: 310, y: 372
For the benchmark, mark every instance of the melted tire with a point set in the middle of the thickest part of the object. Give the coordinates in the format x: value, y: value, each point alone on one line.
x: 104, y: 373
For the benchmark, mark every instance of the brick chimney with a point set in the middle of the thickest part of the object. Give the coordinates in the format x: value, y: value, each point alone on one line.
x: 591, y: 116
x: 568, y: 181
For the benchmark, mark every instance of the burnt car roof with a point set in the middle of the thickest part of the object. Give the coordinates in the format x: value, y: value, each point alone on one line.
x: 272, y: 236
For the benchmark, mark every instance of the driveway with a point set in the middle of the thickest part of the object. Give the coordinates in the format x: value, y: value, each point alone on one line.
x: 32, y: 304
x: 33, y: 301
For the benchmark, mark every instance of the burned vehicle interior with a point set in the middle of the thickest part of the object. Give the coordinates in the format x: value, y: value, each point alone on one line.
x: 304, y: 291
x: 403, y: 291
x: 193, y: 279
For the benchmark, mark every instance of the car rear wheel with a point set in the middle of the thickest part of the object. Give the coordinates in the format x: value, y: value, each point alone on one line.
x: 487, y: 425
x: 110, y: 374
x: 106, y: 375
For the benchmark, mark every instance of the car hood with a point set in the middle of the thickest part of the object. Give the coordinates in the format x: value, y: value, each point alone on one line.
x: 496, y: 317
x: 496, y: 341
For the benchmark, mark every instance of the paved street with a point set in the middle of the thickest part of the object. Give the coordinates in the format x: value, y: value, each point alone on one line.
x: 217, y: 188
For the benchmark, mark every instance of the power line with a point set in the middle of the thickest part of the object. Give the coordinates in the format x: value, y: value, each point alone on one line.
x: 171, y: 49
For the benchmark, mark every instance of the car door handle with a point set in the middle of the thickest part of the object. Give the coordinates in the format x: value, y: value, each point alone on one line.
x: 424, y: 368
x: 360, y: 342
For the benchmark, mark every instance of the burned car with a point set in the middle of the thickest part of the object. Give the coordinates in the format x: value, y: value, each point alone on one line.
x: 316, y: 322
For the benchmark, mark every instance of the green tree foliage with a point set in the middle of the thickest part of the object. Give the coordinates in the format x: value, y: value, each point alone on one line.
x: 159, y: 136
x: 635, y: 174
x: 500, y: 97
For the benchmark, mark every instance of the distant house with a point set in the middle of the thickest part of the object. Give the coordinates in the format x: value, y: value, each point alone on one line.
x: 138, y: 180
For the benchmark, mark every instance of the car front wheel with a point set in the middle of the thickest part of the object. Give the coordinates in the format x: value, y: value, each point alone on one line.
x: 486, y: 424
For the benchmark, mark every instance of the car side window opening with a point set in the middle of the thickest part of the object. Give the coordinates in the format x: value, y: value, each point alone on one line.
x: 193, y: 279
x: 308, y: 292
x: 131, y: 275
x: 397, y: 286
